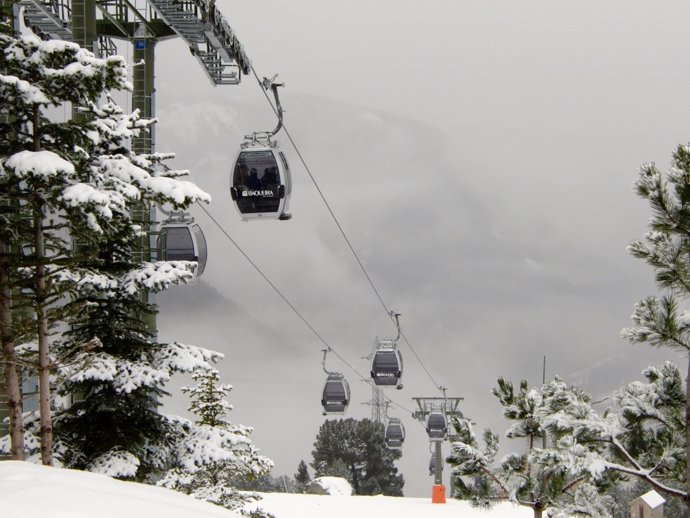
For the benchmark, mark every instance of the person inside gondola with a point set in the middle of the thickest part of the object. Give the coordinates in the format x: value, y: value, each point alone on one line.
x: 270, y: 177
x: 253, y: 182
x: 242, y: 175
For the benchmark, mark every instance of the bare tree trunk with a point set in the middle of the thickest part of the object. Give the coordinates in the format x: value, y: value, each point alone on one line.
x: 42, y: 331
x: 41, y: 314
x: 14, y: 394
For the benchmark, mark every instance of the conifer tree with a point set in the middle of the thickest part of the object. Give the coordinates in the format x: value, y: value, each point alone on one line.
x: 302, y: 477
x: 211, y: 453
x: 121, y: 384
x: 41, y: 177
x: 646, y: 435
x: 78, y: 179
x: 9, y: 255
x: 359, y: 447
x: 659, y: 321
x: 524, y: 477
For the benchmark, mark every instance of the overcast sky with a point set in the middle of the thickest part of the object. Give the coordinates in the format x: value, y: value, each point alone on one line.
x: 479, y: 156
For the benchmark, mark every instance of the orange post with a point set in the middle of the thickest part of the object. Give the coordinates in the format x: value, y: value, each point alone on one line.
x: 438, y: 494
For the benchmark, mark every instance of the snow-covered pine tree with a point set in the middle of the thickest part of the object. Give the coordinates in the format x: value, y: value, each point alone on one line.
x: 647, y: 435
x: 211, y: 453
x: 525, y: 478
x: 39, y: 177
x: 80, y: 176
x: 302, y: 477
x: 660, y: 322
x: 644, y: 437
x: 120, y: 385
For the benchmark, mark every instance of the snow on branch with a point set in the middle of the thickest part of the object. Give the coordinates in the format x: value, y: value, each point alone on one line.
x: 116, y: 463
x: 14, y: 91
x: 39, y: 165
x: 185, y: 358
x: 158, y: 276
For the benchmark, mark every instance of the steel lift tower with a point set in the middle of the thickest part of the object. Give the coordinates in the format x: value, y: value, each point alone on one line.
x: 449, y: 407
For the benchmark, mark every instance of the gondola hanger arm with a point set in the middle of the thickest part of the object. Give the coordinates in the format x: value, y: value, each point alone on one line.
x: 270, y: 83
x: 323, y: 361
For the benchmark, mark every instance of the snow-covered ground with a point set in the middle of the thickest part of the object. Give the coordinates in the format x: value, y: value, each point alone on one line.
x: 31, y: 491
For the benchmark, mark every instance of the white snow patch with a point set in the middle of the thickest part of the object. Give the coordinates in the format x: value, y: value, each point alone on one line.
x: 38, y: 163
x: 334, y: 486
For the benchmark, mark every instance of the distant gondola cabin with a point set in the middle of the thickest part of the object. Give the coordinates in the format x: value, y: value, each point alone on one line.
x: 183, y: 242
x: 386, y: 367
x: 336, y: 394
x: 436, y: 425
x: 394, y: 434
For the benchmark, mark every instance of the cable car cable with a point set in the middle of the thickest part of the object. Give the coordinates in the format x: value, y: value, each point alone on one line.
x: 342, y: 231
x: 291, y: 306
x: 323, y: 198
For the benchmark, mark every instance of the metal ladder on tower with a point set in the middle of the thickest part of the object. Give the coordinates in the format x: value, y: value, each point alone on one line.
x: 208, y: 35
x: 50, y: 18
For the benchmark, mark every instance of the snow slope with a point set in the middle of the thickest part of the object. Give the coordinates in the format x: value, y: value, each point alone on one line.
x: 284, y: 505
x: 31, y: 491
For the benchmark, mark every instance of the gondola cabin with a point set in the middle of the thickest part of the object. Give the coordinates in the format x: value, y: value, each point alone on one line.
x: 395, y: 433
x: 183, y: 242
x: 261, y: 182
x: 387, y: 366
x: 336, y: 394
x: 432, y: 464
x: 436, y: 425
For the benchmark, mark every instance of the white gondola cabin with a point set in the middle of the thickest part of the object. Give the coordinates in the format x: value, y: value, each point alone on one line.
x: 181, y: 241
x: 261, y: 182
x: 336, y: 394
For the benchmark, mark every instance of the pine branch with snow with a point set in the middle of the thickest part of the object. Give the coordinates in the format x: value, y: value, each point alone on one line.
x: 661, y: 425
x: 644, y: 437
x: 537, y: 477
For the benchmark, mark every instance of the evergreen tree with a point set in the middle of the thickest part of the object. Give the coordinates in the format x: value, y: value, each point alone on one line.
x: 527, y: 478
x: 302, y: 477
x: 8, y: 258
x: 44, y: 184
x: 211, y: 453
x: 646, y: 436
x: 658, y: 321
x: 642, y: 437
x: 337, y: 468
x: 359, y: 446
x: 78, y: 178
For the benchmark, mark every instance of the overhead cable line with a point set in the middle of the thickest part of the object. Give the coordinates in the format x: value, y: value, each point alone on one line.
x: 291, y: 305
x: 342, y: 231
